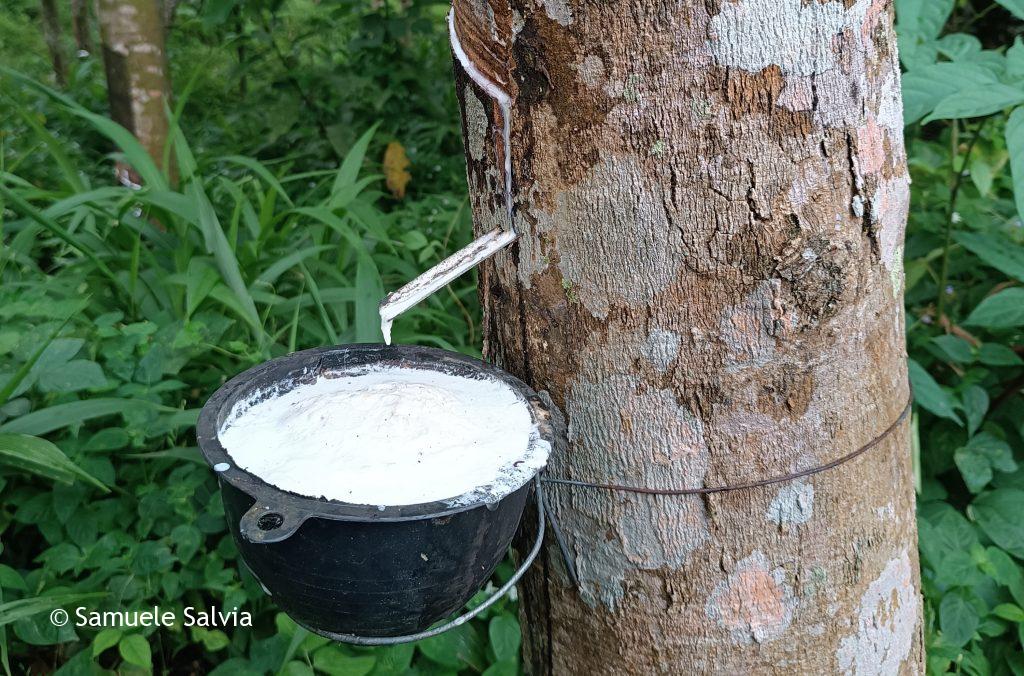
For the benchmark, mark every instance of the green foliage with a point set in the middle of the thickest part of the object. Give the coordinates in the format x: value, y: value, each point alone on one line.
x: 963, y: 84
x: 122, y: 310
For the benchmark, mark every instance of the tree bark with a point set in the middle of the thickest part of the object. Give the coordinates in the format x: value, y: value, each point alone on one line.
x: 138, y: 83
x: 80, y: 26
x: 52, y: 36
x: 711, y: 199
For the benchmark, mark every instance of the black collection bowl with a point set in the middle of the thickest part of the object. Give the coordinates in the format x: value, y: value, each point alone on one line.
x: 363, y: 570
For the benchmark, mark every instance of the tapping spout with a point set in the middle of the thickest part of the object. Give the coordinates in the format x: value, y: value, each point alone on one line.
x: 479, y: 250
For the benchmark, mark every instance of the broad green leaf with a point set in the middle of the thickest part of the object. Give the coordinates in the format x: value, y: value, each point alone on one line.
x: 458, y: 648
x: 134, y: 649
x: 1015, y: 7
x: 212, y: 639
x: 1015, y: 59
x: 976, y: 101
x: 11, y: 579
x: 975, y: 404
x: 216, y: 12
x: 296, y: 668
x: 929, y: 394
x: 1014, y: 134
x: 73, y: 376
x: 955, y: 348
x: 505, y: 637
x: 107, y: 638
x: 958, y: 617
x: 333, y: 662
x: 1005, y: 571
x: 394, y: 660
x: 921, y: 20
x: 974, y: 468
x: 995, y: 449
x: 16, y: 610
x: 994, y: 354
x: 15, y: 381
x: 925, y: 86
x: 503, y: 669
x: 996, y: 250
x: 982, y: 174
x: 999, y: 513
x: 41, y: 457
x: 1009, y: 611
x: 1002, y: 310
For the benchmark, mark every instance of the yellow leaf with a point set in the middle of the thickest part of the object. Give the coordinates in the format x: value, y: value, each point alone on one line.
x: 395, y: 163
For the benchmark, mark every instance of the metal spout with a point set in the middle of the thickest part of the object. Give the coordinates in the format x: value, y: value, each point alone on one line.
x: 476, y: 252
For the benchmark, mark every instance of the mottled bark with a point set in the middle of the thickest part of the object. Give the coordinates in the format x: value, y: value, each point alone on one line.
x: 80, y: 26
x: 138, y: 85
x: 711, y: 198
x: 52, y: 36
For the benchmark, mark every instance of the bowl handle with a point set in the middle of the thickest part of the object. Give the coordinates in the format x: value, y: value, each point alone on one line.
x: 265, y: 523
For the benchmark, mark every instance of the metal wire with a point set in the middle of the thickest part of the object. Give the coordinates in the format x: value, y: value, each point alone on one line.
x: 468, y: 615
x: 748, y: 484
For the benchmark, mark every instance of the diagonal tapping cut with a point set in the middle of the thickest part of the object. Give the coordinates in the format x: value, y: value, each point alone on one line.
x: 482, y: 248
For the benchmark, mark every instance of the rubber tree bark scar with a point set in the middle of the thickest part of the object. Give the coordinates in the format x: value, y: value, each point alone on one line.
x: 480, y: 249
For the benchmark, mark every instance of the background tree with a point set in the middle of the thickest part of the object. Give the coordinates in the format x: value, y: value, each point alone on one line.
x: 138, y: 82
x: 80, y: 25
x: 711, y: 199
x: 52, y: 34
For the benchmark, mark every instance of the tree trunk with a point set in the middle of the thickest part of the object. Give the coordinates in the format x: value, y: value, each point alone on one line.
x: 52, y: 36
x: 711, y: 199
x: 80, y: 26
x: 138, y: 84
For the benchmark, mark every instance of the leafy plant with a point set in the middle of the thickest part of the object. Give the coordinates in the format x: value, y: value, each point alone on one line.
x: 964, y: 270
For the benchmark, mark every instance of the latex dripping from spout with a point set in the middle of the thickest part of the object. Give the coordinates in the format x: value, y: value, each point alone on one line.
x: 480, y: 249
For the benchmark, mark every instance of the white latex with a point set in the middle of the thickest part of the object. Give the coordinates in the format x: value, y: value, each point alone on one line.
x: 389, y: 436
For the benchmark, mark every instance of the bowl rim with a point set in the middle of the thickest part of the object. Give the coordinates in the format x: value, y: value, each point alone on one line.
x: 310, y: 364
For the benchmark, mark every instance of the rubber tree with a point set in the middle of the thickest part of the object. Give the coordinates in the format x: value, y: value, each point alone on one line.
x: 80, y: 26
x: 711, y: 199
x: 54, y: 43
x: 138, y: 82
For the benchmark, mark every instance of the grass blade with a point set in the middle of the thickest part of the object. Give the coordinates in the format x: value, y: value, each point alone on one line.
x: 22, y: 373
x: 64, y: 415
x: 12, y: 611
x: 257, y: 167
x: 353, y: 162
x: 314, y: 291
x: 29, y: 211
x: 41, y: 457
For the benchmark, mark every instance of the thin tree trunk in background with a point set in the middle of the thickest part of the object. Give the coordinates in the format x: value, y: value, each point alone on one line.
x: 711, y: 198
x: 168, y: 12
x: 80, y: 25
x: 52, y: 35
x: 138, y: 82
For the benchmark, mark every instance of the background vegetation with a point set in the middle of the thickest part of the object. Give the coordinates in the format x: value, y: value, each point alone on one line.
x: 122, y: 310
